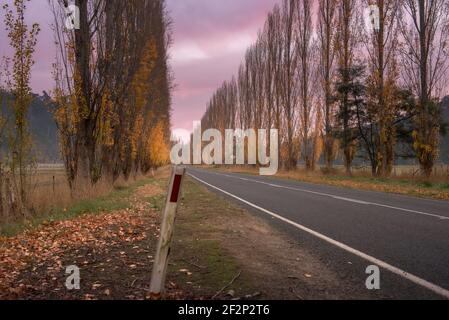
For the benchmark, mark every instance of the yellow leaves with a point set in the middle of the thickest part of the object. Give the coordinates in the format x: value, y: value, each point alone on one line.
x: 424, y: 151
x: 136, y: 135
x: 157, y: 148
x: 141, y: 83
x: 106, y: 120
x: 151, y: 141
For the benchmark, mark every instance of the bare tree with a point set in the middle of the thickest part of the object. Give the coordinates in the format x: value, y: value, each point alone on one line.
x: 327, y: 15
x: 288, y: 89
x: 306, y: 81
x: 347, y: 40
x: 381, y: 51
x: 425, y: 69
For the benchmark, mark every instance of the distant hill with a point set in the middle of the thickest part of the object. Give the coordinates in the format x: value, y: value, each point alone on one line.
x: 42, y: 128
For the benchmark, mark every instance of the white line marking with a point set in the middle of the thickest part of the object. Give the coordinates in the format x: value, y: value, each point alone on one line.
x: 404, y: 274
x: 440, y: 217
x: 351, y: 200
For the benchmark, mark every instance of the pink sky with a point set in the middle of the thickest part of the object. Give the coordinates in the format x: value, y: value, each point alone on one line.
x: 210, y: 39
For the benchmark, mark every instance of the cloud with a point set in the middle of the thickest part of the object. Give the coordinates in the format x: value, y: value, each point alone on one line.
x: 187, y: 52
x: 210, y: 39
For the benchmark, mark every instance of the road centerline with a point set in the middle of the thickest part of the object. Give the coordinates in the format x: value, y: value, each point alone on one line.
x: 356, y: 201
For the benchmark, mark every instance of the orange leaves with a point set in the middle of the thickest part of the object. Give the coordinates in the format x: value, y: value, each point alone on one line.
x: 141, y: 87
x: 107, y: 120
x: 141, y: 83
x: 47, y: 251
x: 148, y: 139
x: 157, y: 148
x: 112, y: 250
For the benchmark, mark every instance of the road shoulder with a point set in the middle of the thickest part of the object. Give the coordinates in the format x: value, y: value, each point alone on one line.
x: 217, y: 241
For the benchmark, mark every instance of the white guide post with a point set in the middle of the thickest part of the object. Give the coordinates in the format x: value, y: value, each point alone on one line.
x: 168, y: 221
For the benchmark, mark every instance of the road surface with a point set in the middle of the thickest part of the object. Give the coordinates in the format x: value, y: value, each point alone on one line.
x: 407, y: 237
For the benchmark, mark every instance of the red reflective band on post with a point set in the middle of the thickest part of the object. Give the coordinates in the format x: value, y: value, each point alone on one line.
x: 176, y: 187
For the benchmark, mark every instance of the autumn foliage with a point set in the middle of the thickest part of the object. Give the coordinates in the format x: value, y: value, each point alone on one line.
x: 112, y: 89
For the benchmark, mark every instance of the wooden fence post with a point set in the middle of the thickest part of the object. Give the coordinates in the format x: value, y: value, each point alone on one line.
x: 168, y: 221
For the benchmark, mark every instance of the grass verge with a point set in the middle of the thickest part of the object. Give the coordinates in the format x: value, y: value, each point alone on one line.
x: 199, y: 261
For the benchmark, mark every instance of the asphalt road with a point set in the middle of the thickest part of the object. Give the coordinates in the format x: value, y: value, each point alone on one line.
x: 407, y: 237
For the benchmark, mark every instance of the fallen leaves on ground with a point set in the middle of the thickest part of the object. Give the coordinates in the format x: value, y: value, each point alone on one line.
x: 114, y: 252
x: 149, y: 191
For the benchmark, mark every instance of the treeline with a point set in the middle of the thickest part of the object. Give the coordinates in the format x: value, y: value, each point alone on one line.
x: 336, y: 85
x: 112, y: 88
x: 111, y: 101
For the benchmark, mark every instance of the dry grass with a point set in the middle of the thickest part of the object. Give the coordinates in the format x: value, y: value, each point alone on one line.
x: 50, y: 192
x: 436, y: 187
x: 97, y: 200
x: 411, y: 172
x: 49, y: 188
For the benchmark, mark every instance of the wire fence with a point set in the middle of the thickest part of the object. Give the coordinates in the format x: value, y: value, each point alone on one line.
x: 50, y: 175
